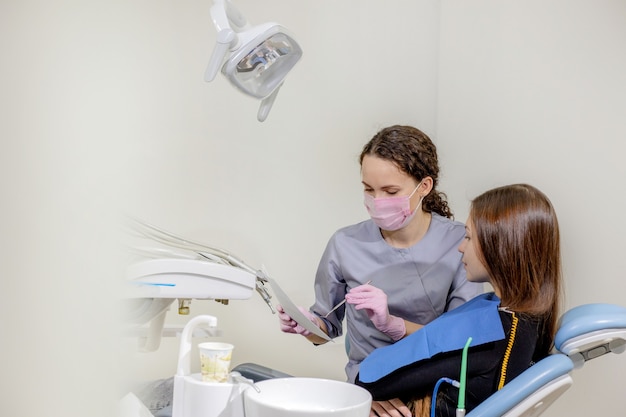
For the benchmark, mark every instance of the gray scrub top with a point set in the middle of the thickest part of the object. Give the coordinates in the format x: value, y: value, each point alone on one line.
x: 421, y: 282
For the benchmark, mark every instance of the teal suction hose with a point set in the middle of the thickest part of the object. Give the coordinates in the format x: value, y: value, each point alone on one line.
x: 460, y: 408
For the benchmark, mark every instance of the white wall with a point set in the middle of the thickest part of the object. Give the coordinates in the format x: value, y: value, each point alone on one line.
x: 104, y: 111
x: 534, y: 92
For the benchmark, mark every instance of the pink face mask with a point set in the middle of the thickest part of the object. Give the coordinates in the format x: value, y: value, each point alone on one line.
x: 391, y: 213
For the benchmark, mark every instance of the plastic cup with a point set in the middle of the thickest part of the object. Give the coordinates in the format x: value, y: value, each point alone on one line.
x: 215, y: 361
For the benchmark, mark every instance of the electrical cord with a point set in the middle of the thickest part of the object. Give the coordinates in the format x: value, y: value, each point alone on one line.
x: 434, y: 399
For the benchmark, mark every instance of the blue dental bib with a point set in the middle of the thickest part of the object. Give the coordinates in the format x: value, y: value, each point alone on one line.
x: 478, y: 319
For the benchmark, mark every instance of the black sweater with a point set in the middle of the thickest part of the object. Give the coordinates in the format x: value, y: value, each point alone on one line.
x: 488, y: 367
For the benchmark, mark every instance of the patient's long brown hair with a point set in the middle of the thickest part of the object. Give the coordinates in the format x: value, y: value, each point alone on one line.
x: 518, y: 233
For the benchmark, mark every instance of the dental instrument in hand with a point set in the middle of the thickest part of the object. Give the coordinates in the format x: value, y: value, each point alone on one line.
x: 341, y: 303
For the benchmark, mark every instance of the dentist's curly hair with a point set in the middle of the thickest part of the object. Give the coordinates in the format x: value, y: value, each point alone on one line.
x: 412, y: 151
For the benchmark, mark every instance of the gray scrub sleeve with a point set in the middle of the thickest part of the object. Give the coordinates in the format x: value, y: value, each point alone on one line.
x: 421, y: 282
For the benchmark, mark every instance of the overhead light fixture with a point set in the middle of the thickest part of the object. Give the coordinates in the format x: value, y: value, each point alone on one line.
x: 255, y: 59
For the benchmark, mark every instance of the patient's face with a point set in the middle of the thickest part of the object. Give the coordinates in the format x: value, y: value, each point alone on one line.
x: 472, y: 255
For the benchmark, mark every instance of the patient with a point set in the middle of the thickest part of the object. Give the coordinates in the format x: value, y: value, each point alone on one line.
x: 512, y: 242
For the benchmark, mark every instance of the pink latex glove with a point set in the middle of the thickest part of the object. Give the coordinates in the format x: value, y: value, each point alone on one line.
x: 374, y: 301
x: 289, y: 325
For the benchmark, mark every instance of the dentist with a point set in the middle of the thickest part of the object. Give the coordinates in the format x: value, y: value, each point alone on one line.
x: 401, y: 268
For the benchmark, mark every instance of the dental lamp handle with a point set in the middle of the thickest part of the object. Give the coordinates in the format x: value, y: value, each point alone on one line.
x: 185, y: 341
x: 228, y: 21
x: 266, y: 104
x: 225, y: 41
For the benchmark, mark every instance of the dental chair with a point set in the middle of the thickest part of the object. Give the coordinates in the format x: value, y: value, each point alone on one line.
x: 585, y: 333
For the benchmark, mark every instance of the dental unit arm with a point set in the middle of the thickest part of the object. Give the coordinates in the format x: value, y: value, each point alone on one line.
x: 173, y: 268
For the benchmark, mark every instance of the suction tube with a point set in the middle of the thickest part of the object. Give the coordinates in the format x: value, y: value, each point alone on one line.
x: 460, y: 408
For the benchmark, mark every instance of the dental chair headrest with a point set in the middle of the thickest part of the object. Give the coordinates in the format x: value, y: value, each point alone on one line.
x: 591, y: 330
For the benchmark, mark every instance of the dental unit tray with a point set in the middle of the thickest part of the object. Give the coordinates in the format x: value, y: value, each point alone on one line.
x: 166, y: 267
x: 188, y: 278
x: 174, y: 267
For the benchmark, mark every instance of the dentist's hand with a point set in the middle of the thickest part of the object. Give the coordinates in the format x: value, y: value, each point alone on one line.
x: 289, y: 325
x: 374, y: 301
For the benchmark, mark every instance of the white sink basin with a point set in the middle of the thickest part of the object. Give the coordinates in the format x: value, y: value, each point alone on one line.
x: 310, y: 397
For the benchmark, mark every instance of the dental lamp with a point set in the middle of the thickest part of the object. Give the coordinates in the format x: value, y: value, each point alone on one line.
x: 255, y: 59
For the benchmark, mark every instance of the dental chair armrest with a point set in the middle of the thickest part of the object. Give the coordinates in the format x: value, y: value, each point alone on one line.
x: 537, y: 387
